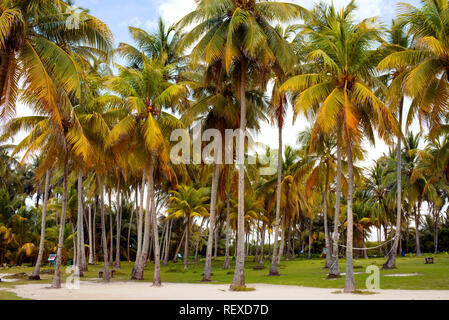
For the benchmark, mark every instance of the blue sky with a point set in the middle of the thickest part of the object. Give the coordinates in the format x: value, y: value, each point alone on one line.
x: 119, y: 14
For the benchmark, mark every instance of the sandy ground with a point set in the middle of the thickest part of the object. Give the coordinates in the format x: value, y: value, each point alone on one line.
x: 89, y: 290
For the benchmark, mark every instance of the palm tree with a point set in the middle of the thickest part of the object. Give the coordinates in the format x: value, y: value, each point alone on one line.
x: 30, y: 55
x: 188, y: 202
x: 238, y: 35
x: 427, y: 80
x: 398, y: 41
x: 342, y: 87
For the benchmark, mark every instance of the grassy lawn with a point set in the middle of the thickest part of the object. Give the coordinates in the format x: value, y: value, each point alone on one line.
x: 303, y: 272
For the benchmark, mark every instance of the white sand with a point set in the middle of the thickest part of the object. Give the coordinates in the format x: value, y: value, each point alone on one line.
x: 128, y: 290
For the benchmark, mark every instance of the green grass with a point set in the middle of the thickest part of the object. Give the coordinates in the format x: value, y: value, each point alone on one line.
x: 303, y: 272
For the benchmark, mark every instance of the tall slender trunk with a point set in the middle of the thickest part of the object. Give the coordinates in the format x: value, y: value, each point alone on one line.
x: 56, y: 282
x: 186, y: 243
x: 37, y: 267
x: 417, y: 218
x: 79, y: 238
x: 131, y: 223
x: 282, y: 243
x: 215, y: 242
x: 118, y: 223
x: 239, y: 273
x: 156, y: 251
x: 349, y: 282
x: 334, y: 270
x: 94, y: 229
x: 141, y: 262
x: 326, y: 226
x: 262, y: 245
x: 213, y: 204
x: 391, y: 262
x: 435, y: 231
x: 227, y: 262
x: 167, y: 244
x: 140, y: 219
x: 256, y: 255
x: 103, y: 232
x: 111, y: 231
x: 309, y: 253
x: 91, y: 254
x: 274, y: 271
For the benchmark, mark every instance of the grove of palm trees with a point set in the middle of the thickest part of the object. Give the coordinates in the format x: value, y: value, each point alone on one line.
x: 94, y: 173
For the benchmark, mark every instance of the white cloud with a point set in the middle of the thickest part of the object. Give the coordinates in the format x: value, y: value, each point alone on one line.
x: 172, y: 11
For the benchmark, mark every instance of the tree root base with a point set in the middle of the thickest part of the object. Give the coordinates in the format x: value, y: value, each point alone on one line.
x: 34, y: 277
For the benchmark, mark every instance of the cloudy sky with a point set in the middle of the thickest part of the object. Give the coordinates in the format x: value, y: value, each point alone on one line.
x: 120, y: 14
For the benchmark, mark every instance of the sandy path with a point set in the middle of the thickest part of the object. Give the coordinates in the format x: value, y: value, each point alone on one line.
x: 183, y: 291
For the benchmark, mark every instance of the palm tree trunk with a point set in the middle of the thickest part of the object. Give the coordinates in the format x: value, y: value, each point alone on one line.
x: 91, y: 254
x: 56, y: 282
x: 326, y: 227
x: 275, y: 260
x: 262, y: 245
x: 103, y: 232
x: 391, y: 262
x: 227, y: 262
x: 118, y: 224
x: 131, y: 223
x: 111, y: 230
x: 334, y: 270
x: 5, y: 59
x: 239, y: 273
x: 215, y: 242
x: 417, y: 217
x: 167, y: 244
x: 37, y: 267
x: 157, y: 252
x: 349, y: 282
x: 79, y: 238
x: 140, y: 219
x: 140, y: 266
x: 282, y: 243
x: 435, y: 231
x: 309, y: 254
x: 94, y: 230
x: 213, y: 205
x: 186, y: 243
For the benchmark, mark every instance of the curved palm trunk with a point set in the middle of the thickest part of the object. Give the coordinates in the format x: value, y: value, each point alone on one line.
x: 37, y: 267
x: 198, y: 238
x: 56, y: 282
x: 349, y: 282
x: 275, y: 260
x: 140, y: 264
x: 391, y: 262
x: 239, y: 273
x: 326, y: 227
x: 213, y: 205
x: 227, y: 262
x: 118, y: 224
x: 175, y: 257
x: 334, y: 270
x: 103, y: 232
